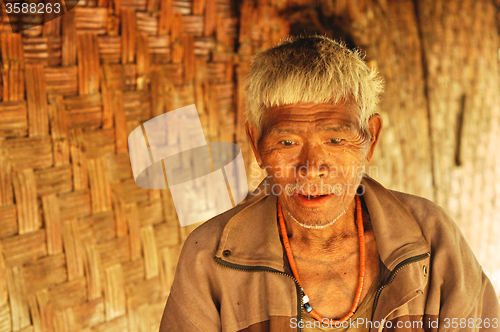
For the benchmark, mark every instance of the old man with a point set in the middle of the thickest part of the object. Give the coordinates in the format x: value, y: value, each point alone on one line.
x: 320, y: 245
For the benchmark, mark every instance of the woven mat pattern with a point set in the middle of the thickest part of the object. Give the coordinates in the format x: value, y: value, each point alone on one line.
x: 83, y: 248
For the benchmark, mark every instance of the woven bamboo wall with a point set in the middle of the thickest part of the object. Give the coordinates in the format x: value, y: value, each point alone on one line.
x: 83, y: 247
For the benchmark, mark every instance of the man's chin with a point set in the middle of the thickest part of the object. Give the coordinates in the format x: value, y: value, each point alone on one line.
x: 320, y: 201
x: 315, y: 220
x: 324, y: 209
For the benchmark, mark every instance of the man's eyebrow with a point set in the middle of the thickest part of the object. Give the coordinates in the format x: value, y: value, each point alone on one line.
x: 337, y: 128
x: 278, y: 130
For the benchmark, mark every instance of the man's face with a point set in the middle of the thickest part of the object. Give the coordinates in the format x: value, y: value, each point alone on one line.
x: 318, y: 153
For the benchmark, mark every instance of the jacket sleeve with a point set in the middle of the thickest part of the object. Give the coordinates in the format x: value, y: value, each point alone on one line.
x: 486, y: 312
x: 175, y: 319
x: 192, y: 305
x: 467, y: 300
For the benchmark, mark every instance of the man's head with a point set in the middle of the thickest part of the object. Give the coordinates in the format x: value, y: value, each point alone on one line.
x: 311, y: 69
x: 311, y: 122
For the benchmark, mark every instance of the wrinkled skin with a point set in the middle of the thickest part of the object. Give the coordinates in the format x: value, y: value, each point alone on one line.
x: 313, y: 145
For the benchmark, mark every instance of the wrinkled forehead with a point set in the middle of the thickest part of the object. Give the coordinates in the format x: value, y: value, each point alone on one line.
x: 294, y: 117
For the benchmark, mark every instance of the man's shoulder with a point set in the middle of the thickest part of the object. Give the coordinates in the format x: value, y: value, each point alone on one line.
x: 206, y: 237
x: 455, y: 272
x: 418, y: 206
x: 434, y: 221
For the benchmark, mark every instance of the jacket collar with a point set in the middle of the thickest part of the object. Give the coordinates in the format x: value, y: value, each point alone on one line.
x: 251, y: 237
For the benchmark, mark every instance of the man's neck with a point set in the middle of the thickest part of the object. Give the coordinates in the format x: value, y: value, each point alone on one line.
x: 326, y: 241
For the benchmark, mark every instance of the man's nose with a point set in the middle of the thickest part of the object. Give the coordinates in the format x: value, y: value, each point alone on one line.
x: 313, y: 162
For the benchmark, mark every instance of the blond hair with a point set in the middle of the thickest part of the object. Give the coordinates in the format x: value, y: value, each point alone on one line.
x: 311, y: 69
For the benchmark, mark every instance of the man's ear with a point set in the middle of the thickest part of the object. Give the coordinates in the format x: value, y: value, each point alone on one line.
x: 253, y: 136
x: 375, y: 127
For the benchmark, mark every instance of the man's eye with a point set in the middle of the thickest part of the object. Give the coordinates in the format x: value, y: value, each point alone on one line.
x: 287, y: 142
x: 335, y: 140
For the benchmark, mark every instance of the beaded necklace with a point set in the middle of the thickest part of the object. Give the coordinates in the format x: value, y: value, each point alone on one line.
x: 362, y: 259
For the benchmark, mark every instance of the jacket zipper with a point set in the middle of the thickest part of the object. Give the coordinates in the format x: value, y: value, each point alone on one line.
x: 300, y: 294
x: 246, y: 268
x: 398, y: 268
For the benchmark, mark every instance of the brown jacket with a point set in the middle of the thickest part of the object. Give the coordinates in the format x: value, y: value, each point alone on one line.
x: 231, y: 275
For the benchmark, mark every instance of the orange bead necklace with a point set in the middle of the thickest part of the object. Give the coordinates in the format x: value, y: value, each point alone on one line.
x: 362, y: 259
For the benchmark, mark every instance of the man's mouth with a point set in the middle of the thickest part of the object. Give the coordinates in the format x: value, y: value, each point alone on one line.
x: 310, y: 196
x: 312, y: 200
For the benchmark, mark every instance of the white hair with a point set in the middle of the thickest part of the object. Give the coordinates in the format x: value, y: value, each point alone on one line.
x: 309, y: 69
